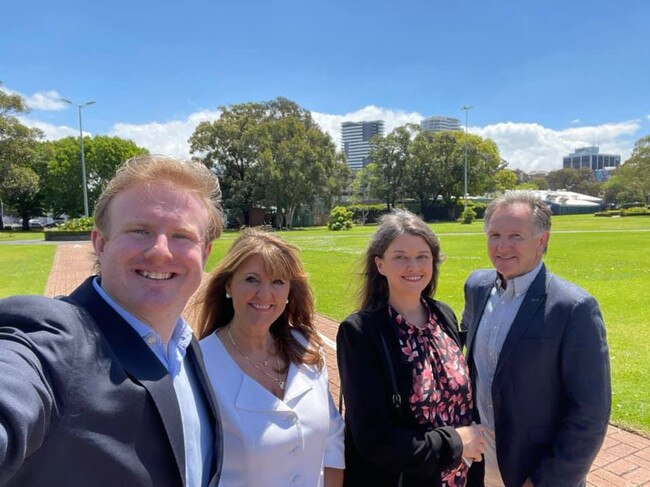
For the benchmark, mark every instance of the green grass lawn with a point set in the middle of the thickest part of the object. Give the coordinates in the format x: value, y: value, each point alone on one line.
x: 10, y: 235
x: 609, y: 257
x: 24, y: 268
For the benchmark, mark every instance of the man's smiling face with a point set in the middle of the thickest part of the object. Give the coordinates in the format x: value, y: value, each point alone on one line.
x: 152, y: 257
x: 514, y: 246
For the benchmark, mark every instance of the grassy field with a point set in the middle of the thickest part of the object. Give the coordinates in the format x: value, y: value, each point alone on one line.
x: 608, y: 257
x: 24, y: 268
x: 11, y: 235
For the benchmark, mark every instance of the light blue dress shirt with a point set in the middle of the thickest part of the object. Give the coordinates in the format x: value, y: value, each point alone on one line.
x: 198, y: 432
x: 497, y: 318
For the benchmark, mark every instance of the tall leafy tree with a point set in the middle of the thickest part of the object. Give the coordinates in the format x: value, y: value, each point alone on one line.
x: 631, y: 182
x: 436, y: 167
x: 270, y: 153
x: 19, y: 168
x: 62, y: 185
x: 390, y: 155
x: 578, y: 180
x: 230, y: 146
x: 504, y: 179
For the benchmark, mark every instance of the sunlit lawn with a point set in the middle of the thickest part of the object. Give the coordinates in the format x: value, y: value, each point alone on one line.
x: 610, y: 258
x: 10, y: 235
x: 24, y: 268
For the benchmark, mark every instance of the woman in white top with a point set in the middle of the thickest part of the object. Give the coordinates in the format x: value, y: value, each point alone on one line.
x: 265, y: 362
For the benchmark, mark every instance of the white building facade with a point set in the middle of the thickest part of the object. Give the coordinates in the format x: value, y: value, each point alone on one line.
x: 355, y: 141
x: 439, y: 124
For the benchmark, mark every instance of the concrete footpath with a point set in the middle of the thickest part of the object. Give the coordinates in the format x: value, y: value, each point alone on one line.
x: 624, y: 459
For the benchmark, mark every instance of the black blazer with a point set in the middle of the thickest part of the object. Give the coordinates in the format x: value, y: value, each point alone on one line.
x: 383, y: 447
x: 551, y: 389
x: 84, y: 400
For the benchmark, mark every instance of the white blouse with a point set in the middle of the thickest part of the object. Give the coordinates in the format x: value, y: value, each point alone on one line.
x: 271, y: 442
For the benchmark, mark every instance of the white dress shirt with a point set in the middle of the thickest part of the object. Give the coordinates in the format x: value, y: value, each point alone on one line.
x: 198, y: 433
x: 272, y: 442
x: 498, y: 316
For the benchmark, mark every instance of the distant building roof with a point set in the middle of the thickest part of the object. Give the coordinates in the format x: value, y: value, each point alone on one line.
x: 569, y: 198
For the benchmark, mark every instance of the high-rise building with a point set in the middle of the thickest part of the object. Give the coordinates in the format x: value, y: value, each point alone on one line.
x: 438, y: 124
x: 600, y: 164
x: 355, y: 141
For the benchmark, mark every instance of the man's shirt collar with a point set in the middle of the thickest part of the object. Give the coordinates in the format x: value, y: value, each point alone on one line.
x: 178, y: 343
x: 520, y: 284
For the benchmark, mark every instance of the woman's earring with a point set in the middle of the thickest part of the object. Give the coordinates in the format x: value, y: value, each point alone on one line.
x: 228, y: 296
x: 287, y: 301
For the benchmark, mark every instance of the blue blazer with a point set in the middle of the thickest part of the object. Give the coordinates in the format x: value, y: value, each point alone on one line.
x: 85, y: 401
x: 552, y: 388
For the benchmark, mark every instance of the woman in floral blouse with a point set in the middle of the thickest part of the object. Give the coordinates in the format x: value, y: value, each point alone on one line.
x: 407, y: 390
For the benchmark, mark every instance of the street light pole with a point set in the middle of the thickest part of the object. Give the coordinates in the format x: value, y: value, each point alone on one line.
x: 83, y: 157
x: 467, y: 108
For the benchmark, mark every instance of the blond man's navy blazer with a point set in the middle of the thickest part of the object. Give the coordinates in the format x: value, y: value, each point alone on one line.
x: 84, y: 401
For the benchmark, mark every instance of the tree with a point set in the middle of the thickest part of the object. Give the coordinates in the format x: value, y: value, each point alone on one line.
x: 297, y: 161
x: 436, y: 169
x: 20, y: 191
x: 390, y: 156
x: 228, y: 146
x: 62, y: 184
x: 504, y: 179
x: 578, y: 180
x: 269, y: 153
x: 631, y: 182
x: 19, y: 168
x: 365, y: 180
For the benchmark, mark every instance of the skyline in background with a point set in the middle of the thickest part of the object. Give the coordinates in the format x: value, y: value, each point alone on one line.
x: 543, y: 79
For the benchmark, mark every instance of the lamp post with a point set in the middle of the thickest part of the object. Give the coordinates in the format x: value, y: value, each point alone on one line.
x: 83, y: 158
x: 467, y: 108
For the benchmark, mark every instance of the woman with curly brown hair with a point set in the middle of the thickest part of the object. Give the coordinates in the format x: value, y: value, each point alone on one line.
x: 264, y: 359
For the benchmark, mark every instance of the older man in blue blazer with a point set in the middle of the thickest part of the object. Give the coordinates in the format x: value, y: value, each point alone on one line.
x: 107, y: 387
x: 537, y: 354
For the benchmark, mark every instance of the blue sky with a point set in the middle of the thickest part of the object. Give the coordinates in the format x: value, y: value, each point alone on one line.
x: 543, y: 77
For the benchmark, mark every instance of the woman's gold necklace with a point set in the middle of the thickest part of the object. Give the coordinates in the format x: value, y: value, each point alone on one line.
x: 279, y: 380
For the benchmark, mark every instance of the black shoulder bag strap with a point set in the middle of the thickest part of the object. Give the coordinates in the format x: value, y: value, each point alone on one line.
x: 396, y: 398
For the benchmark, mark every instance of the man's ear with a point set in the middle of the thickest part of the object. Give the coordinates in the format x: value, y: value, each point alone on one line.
x: 543, y: 241
x: 98, y: 240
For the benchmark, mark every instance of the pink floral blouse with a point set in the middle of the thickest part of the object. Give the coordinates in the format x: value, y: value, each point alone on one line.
x: 442, y: 391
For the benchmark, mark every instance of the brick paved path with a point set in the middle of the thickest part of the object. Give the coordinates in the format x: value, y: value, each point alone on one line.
x: 624, y: 459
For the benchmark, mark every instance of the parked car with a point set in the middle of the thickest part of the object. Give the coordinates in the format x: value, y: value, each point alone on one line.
x: 54, y: 223
x: 35, y: 224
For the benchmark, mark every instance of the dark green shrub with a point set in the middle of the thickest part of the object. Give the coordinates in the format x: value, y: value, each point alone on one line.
x: 77, y: 224
x: 467, y: 216
x: 373, y: 212
x: 635, y: 211
x: 340, y: 219
x: 479, y: 209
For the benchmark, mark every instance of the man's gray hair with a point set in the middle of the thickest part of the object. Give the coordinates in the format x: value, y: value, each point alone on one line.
x: 541, y: 212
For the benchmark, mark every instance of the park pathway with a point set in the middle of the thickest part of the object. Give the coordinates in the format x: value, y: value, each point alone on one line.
x: 624, y: 459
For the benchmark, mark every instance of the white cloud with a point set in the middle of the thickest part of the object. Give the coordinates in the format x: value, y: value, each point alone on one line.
x: 169, y: 138
x: 575, y: 121
x: 52, y: 132
x: 46, y: 100
x: 392, y: 119
x: 43, y: 100
x: 532, y: 147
